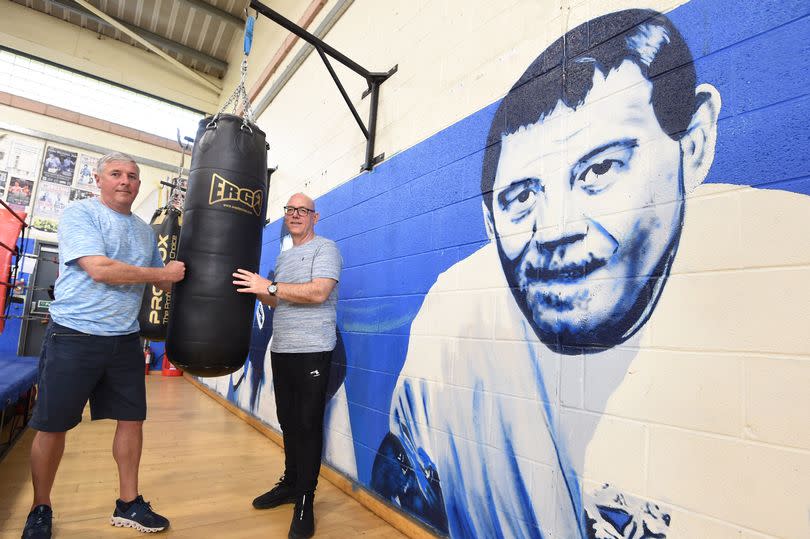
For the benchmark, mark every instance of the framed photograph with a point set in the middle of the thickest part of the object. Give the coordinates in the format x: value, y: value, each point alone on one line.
x: 85, y: 168
x: 19, y: 192
x: 59, y: 165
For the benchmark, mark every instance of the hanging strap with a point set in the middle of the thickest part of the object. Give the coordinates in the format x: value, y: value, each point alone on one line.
x: 240, y: 95
x: 249, y: 34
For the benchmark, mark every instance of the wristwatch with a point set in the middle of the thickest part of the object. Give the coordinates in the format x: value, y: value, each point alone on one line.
x: 273, y: 288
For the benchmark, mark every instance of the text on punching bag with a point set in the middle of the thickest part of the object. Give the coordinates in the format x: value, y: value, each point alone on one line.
x: 226, y: 193
x: 167, y: 252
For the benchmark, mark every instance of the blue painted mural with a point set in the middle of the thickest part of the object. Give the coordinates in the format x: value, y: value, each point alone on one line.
x: 540, y: 230
x: 586, y: 165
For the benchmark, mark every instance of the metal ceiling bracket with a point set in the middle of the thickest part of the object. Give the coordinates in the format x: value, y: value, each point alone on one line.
x: 373, y: 79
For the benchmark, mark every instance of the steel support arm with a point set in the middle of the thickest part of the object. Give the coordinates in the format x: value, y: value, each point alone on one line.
x: 373, y: 79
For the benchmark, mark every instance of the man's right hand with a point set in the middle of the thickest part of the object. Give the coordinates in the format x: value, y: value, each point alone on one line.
x: 174, y: 271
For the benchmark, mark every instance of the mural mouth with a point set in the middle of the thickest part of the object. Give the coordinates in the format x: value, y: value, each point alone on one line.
x: 563, y: 273
x: 559, y: 302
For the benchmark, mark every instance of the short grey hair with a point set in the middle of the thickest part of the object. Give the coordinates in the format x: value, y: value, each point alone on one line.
x: 115, y: 156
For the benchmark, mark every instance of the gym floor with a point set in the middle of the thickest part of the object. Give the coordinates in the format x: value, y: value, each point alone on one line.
x: 201, y: 467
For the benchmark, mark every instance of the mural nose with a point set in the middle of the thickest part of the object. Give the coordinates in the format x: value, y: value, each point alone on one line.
x: 554, y: 226
x: 557, y: 219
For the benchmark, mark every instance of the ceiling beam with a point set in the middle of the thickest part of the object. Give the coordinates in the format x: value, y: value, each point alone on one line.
x: 172, y: 46
x: 157, y: 50
x: 216, y: 12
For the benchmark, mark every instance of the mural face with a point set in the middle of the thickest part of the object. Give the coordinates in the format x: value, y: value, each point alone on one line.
x: 587, y: 211
x: 588, y: 158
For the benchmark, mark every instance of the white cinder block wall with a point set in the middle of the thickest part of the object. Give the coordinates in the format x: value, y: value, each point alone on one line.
x: 699, y: 423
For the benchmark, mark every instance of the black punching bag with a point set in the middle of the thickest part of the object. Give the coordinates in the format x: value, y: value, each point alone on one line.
x: 223, y: 218
x: 154, y: 315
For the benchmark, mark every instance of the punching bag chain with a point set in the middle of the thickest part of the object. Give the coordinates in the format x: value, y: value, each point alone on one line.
x: 179, y: 184
x: 240, y: 94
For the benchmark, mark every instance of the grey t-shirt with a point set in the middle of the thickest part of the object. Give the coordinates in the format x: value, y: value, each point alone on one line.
x: 307, y: 327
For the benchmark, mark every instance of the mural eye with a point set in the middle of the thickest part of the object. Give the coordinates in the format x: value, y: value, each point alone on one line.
x: 519, y: 197
x: 596, y: 178
x: 603, y: 167
x: 521, y: 202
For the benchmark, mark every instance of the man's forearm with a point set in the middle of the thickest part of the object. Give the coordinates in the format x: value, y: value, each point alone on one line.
x: 109, y: 271
x: 315, y: 291
x: 311, y: 292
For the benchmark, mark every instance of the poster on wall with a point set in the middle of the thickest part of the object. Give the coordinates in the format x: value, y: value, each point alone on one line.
x: 3, y: 178
x: 59, y: 165
x: 51, y: 201
x: 85, y: 167
x: 24, y: 158
x: 19, y: 192
x: 80, y: 194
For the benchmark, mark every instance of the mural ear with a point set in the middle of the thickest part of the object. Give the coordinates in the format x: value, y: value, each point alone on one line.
x: 697, y: 145
x: 488, y: 223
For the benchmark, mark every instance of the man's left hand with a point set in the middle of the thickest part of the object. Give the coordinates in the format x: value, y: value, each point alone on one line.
x: 248, y: 282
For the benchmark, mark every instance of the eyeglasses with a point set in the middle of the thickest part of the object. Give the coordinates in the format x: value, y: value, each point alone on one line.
x: 302, y: 212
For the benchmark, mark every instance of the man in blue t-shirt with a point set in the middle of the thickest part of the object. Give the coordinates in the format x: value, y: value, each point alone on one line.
x: 91, y: 349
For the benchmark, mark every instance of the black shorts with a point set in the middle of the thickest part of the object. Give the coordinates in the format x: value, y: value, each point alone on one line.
x: 75, y: 367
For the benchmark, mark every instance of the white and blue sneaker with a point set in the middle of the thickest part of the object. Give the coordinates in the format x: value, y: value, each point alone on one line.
x: 138, y: 514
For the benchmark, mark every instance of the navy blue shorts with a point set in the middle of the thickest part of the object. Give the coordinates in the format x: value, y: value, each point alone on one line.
x: 75, y: 367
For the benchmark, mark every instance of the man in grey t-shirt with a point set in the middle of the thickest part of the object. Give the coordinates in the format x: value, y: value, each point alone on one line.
x: 304, y: 296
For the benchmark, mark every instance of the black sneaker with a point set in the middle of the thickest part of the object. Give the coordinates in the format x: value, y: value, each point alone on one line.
x: 139, y: 515
x: 303, y: 521
x: 282, y: 493
x: 38, y: 524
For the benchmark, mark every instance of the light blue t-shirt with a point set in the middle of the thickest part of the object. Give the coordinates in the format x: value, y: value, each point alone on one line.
x: 89, y: 228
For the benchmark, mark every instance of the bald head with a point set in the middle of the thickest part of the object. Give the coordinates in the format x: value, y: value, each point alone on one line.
x: 300, y: 218
x: 299, y: 200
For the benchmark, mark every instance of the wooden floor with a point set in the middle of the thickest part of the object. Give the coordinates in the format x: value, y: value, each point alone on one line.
x: 201, y: 468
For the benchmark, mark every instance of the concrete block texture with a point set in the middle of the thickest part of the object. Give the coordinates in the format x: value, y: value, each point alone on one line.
x: 574, y: 300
